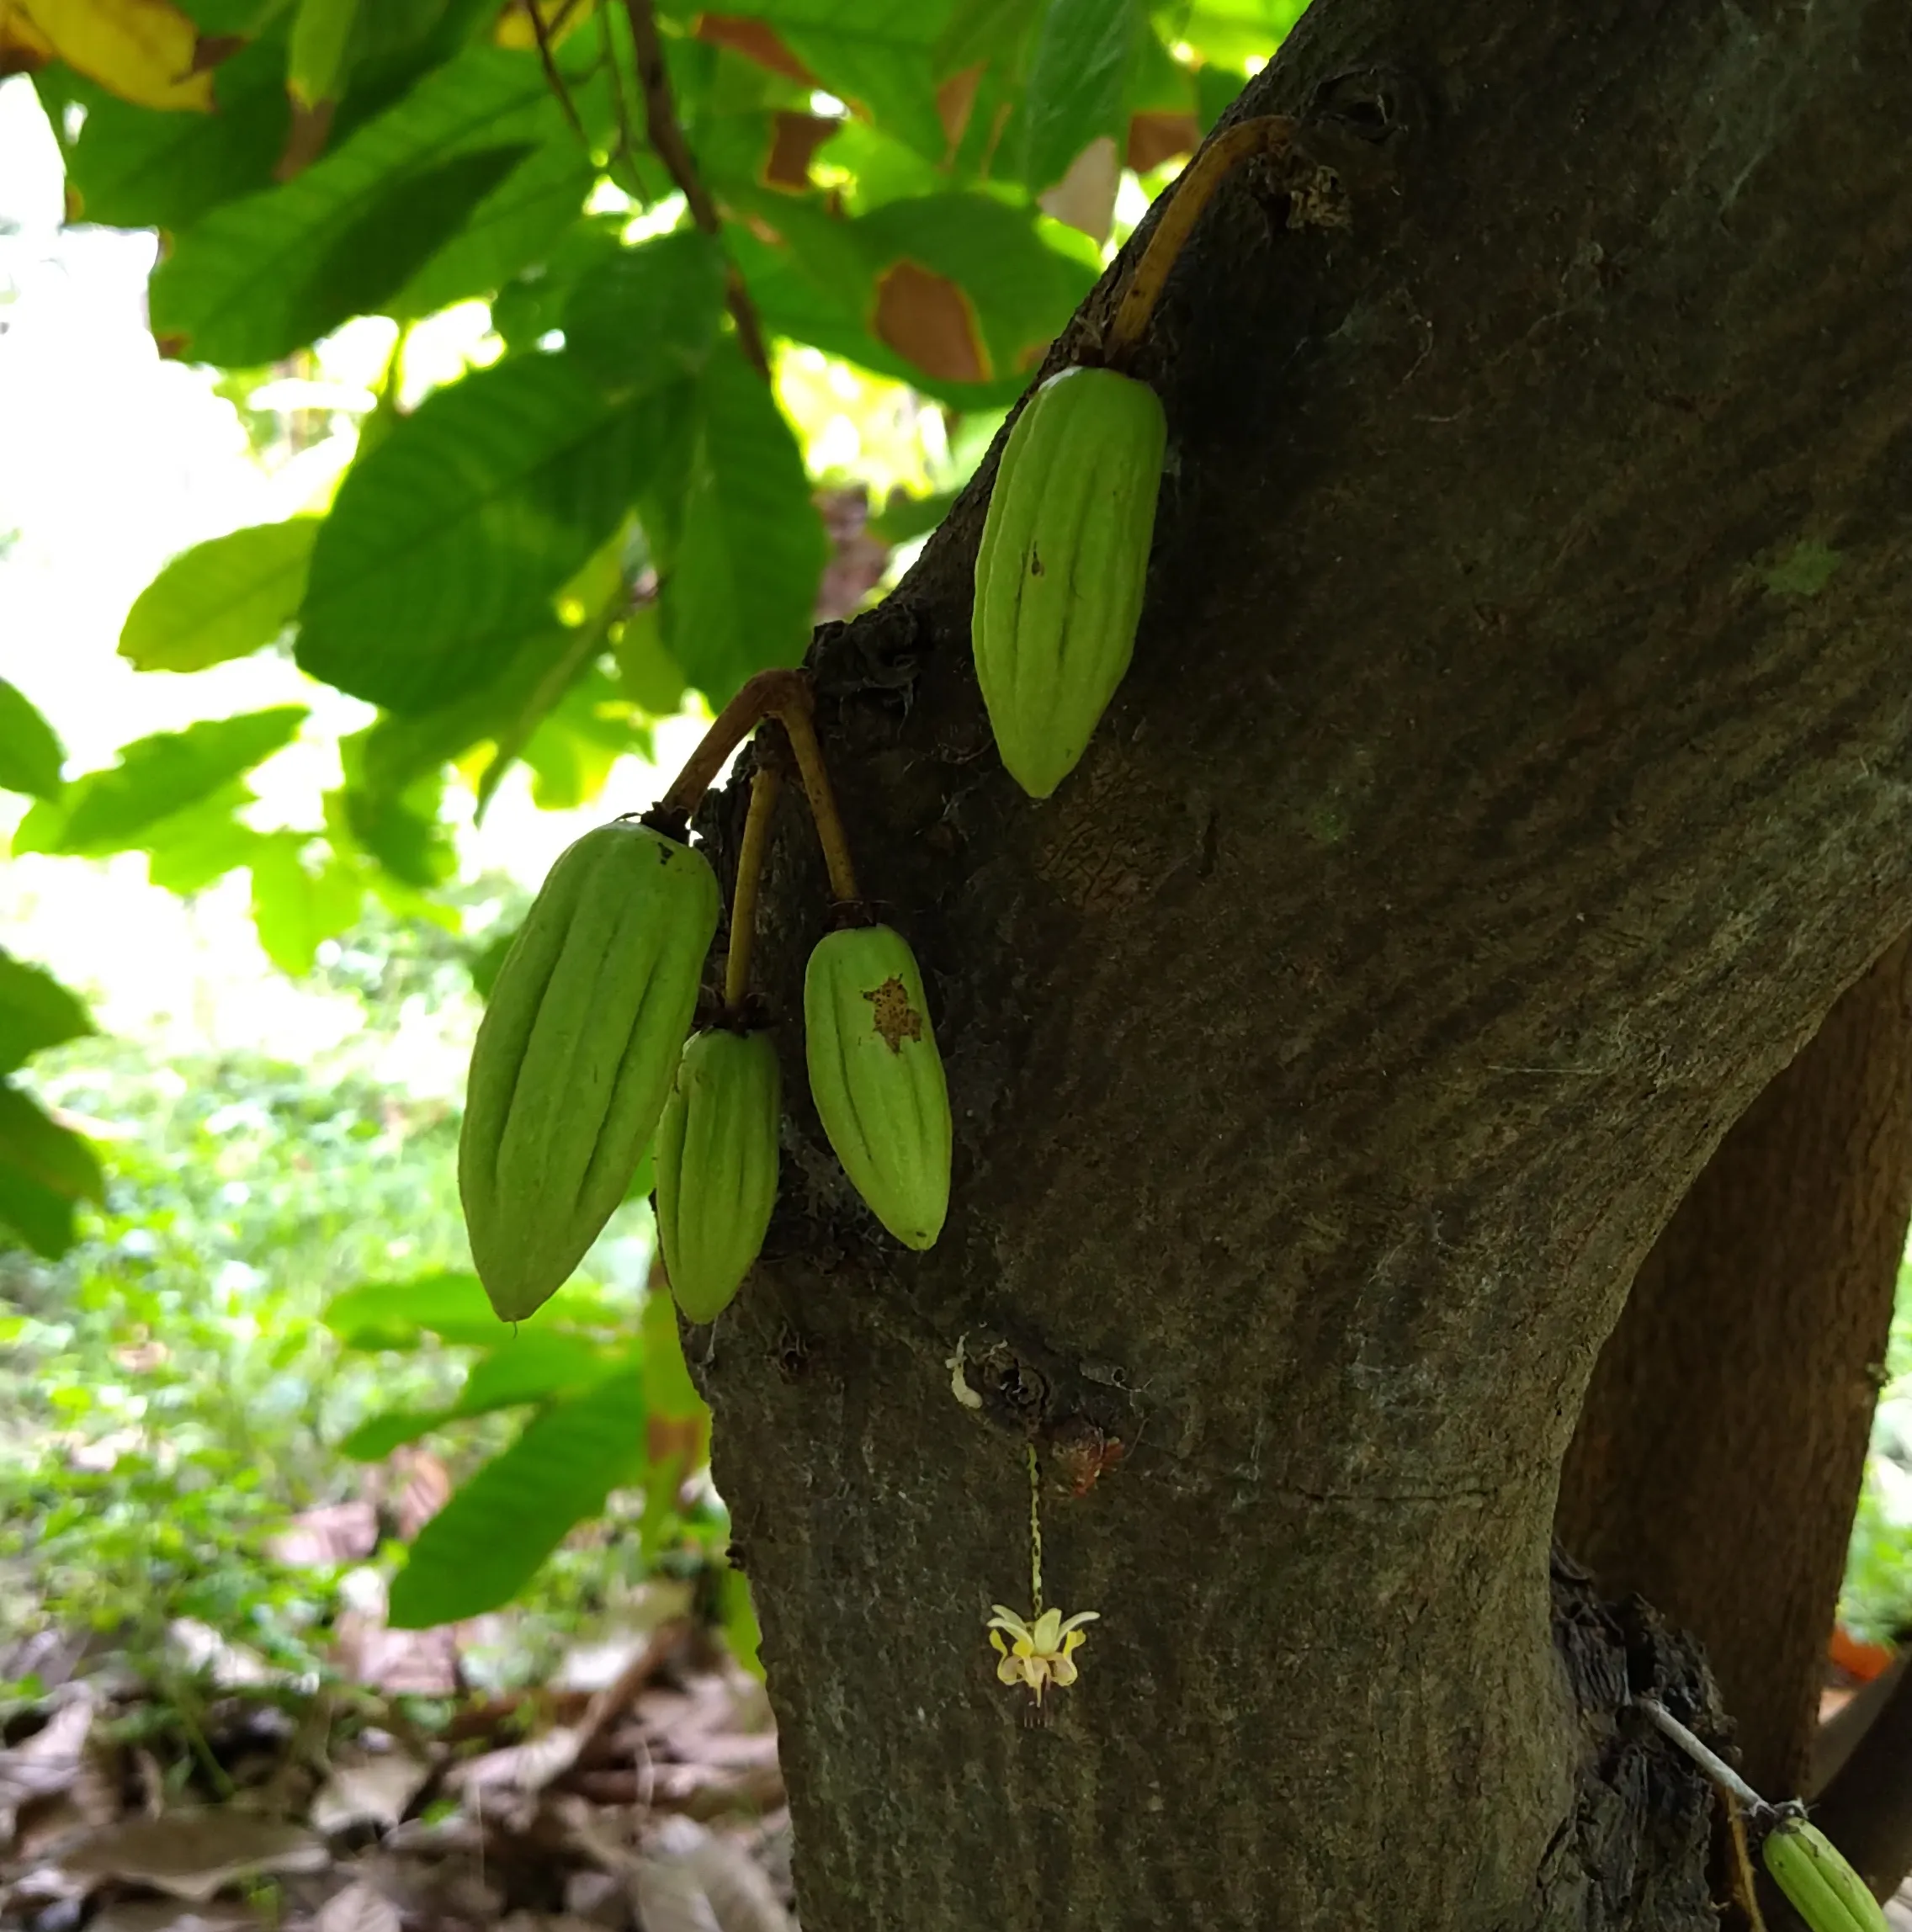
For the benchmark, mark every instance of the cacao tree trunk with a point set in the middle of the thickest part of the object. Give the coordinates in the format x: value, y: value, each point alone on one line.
x: 1718, y: 1456
x: 1515, y: 767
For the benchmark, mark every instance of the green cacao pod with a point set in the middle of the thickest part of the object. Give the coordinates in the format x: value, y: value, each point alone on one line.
x: 877, y: 1077
x: 1060, y: 570
x: 575, y: 1052
x: 716, y: 1155
x: 1822, y: 1887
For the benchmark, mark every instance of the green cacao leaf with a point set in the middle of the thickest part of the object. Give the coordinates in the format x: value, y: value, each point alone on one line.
x: 445, y: 544
x: 488, y: 1540
x: 35, y: 1011
x: 221, y: 599
x: 30, y: 756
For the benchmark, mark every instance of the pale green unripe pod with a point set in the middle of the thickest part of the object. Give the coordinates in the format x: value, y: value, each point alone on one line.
x: 1060, y: 570
x: 877, y: 1077
x: 716, y: 1159
x: 575, y: 1054
x: 1822, y: 1887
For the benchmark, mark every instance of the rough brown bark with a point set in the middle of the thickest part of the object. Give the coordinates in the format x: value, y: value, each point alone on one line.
x: 1717, y: 1461
x: 1515, y: 766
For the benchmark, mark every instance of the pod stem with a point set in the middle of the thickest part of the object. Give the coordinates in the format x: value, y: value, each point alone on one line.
x: 1269, y: 134
x: 797, y: 714
x: 785, y: 695
x: 1709, y: 1761
x: 764, y: 786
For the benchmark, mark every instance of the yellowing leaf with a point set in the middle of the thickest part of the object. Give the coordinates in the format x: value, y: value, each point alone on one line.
x: 515, y: 28
x: 145, y: 51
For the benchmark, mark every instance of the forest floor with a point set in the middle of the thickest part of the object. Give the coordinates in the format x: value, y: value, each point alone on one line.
x: 637, y: 1792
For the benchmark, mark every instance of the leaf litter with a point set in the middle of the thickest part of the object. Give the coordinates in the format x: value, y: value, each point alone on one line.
x: 647, y: 1798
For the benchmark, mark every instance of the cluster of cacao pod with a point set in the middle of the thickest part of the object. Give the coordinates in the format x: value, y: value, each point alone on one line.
x: 584, y: 1057
x: 1061, y: 566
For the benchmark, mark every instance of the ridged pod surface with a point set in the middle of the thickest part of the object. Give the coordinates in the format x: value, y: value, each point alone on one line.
x: 575, y: 1054
x: 877, y: 1077
x: 1060, y: 570
x: 716, y: 1157
x: 1822, y: 1887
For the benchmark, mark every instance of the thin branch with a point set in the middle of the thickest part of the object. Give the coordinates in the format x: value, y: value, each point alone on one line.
x: 620, y: 111
x: 554, y: 79
x: 1269, y: 134
x: 667, y: 138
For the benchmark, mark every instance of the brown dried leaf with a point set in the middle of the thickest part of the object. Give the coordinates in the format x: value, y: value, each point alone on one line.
x: 733, y: 1891
x: 193, y: 1853
x: 174, y: 1915
x: 376, y: 1791
x: 927, y: 318
x: 47, y: 1763
x: 359, y: 1907
x: 755, y: 41
x: 955, y: 100
x: 323, y: 1538
x: 1084, y: 197
x: 794, y: 138
x: 1156, y: 135
x: 670, y: 1898
x: 427, y: 1489
x: 526, y: 1767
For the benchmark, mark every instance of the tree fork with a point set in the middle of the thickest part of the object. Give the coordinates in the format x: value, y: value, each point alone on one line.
x: 1717, y: 1459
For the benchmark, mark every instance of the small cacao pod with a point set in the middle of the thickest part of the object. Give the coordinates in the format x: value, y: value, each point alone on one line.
x: 877, y: 1077
x: 575, y: 1052
x: 1060, y: 570
x: 716, y: 1155
x: 1821, y: 1887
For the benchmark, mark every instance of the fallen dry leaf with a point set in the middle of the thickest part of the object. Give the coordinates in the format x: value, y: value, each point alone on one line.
x: 692, y: 1877
x: 324, y: 1538
x: 194, y: 1853
x: 526, y: 1767
x: 374, y: 1790
x: 359, y: 1907
x: 47, y: 1763
x: 172, y: 1915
